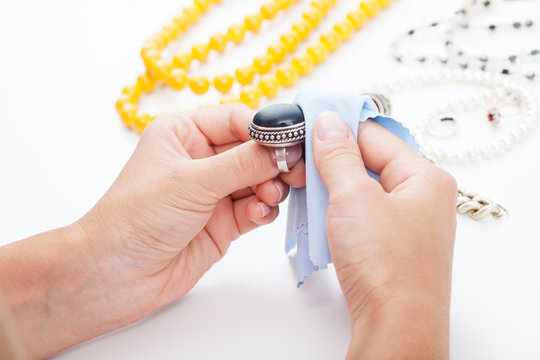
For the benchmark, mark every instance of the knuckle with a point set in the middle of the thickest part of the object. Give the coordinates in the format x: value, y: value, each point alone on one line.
x: 340, y: 152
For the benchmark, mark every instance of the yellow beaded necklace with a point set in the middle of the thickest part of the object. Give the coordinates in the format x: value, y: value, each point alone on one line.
x: 175, y: 72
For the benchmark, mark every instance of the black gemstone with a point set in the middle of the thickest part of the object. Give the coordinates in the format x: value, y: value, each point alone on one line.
x: 529, y: 23
x: 278, y: 116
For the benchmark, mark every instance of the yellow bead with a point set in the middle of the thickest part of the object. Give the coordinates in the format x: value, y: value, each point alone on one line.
x: 141, y: 121
x: 303, y: 63
x: 357, y: 18
x: 228, y: 99
x: 318, y: 52
x: 170, y: 32
x: 370, y: 7
x: 384, y: 3
x: 302, y: 28
x: 269, y: 85
x: 199, y: 84
x: 132, y: 90
x: 181, y: 60
x: 283, y: 4
x: 182, y: 22
x: 200, y: 51
x: 269, y: 11
x: 223, y: 83
x: 236, y: 33
x: 192, y: 13
x: 253, y: 22
x: 203, y: 4
x: 218, y: 42
x: 145, y: 83
x: 331, y: 40
x: 262, y: 64
x: 277, y: 52
x: 290, y: 39
x: 345, y: 29
x: 122, y: 100
x: 322, y: 6
x: 251, y: 96
x: 313, y: 16
x: 287, y: 74
x: 245, y: 74
x: 128, y: 112
x: 177, y: 79
x: 161, y: 69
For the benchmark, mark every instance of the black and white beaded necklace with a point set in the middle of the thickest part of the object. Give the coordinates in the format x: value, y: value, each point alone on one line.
x: 522, y: 63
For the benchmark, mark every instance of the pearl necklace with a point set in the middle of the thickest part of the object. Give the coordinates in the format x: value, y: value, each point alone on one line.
x: 257, y: 80
x: 501, y: 90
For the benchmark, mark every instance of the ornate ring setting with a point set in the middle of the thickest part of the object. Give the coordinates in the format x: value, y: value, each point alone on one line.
x: 279, y: 126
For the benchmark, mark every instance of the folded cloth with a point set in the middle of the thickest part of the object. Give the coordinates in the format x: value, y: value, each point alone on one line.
x: 306, y: 241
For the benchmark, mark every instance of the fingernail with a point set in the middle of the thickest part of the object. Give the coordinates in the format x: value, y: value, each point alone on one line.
x: 331, y: 126
x: 265, y: 209
x: 280, y: 188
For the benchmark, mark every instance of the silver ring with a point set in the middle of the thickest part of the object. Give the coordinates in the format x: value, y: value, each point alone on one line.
x: 281, y: 159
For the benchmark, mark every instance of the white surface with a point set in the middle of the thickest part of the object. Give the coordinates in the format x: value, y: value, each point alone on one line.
x: 62, y: 66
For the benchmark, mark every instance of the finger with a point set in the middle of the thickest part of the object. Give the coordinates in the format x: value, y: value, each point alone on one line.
x: 242, y: 166
x: 242, y: 193
x: 250, y: 213
x: 272, y: 192
x: 297, y: 176
x: 223, y: 124
x: 388, y: 155
x: 337, y: 157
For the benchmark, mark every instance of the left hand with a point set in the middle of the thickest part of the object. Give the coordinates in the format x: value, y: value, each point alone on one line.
x: 193, y: 184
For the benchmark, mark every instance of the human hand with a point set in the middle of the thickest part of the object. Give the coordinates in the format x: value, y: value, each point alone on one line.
x: 193, y: 184
x: 391, y: 242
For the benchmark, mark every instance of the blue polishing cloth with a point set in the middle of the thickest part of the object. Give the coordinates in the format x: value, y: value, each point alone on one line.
x: 306, y: 240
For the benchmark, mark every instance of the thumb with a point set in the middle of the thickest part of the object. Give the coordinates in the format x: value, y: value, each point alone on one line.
x: 242, y: 166
x: 336, y: 154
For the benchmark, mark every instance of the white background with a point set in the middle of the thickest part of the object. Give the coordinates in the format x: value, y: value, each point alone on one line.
x: 62, y: 66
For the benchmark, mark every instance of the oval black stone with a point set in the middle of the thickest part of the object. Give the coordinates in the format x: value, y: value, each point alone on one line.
x: 278, y: 116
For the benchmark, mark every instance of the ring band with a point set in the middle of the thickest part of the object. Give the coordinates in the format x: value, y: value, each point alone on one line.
x: 281, y: 159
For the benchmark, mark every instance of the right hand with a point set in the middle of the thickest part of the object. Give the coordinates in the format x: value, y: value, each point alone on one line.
x: 391, y: 242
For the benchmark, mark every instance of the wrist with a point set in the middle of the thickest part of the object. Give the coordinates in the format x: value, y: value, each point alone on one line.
x: 405, y: 325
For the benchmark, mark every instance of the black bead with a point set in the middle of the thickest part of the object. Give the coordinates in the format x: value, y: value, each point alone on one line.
x: 486, y: 3
x: 464, y: 65
x: 443, y: 60
x: 492, y: 27
x: 398, y: 58
x: 505, y: 71
x: 434, y: 24
x: 278, y: 116
x: 461, y: 53
x: 529, y: 23
x: 464, y: 24
x: 535, y: 52
x: 516, y: 25
x: 411, y: 32
x: 483, y: 58
x: 512, y: 58
x: 483, y: 67
x: 448, y: 43
x: 421, y: 59
x: 531, y: 76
